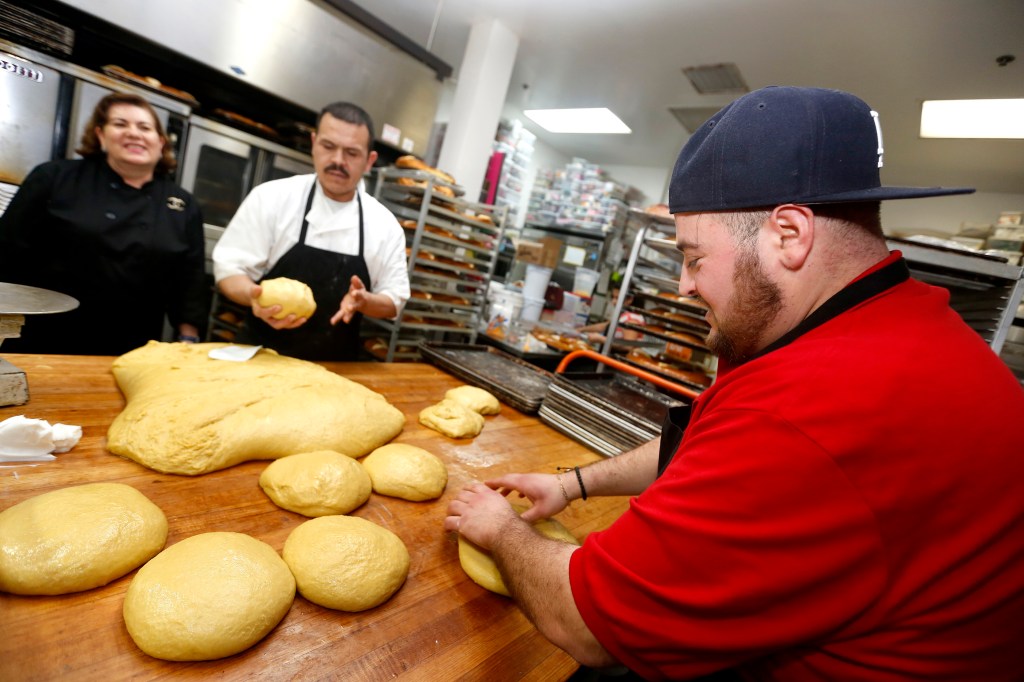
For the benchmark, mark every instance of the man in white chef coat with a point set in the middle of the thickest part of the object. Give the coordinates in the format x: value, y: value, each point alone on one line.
x: 322, y: 230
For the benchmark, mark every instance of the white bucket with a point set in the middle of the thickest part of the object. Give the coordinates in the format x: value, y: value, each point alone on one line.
x: 585, y: 281
x: 532, y: 308
x: 536, y: 283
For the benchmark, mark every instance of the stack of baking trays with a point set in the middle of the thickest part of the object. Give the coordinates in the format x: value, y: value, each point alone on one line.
x: 515, y: 382
x: 608, y: 412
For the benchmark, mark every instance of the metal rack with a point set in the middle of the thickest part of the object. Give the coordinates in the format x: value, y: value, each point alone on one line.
x: 674, y: 325
x: 452, y: 246
x: 984, y: 290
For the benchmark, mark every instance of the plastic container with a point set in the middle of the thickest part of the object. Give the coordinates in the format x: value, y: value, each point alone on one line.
x: 532, y: 308
x: 585, y: 281
x: 536, y: 283
x: 507, y: 301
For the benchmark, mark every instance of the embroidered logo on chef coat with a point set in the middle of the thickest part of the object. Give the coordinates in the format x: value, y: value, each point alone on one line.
x: 176, y: 203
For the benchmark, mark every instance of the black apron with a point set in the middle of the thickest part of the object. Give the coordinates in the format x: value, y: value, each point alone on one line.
x: 676, y: 421
x: 328, y: 274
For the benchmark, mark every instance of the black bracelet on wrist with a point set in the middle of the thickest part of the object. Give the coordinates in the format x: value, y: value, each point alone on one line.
x: 579, y: 479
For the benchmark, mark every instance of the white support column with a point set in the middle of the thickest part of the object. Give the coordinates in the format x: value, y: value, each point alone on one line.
x: 476, y: 107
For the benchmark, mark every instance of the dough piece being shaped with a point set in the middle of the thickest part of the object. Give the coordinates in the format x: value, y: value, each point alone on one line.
x: 77, y: 538
x: 475, y: 398
x: 406, y: 471
x: 208, y: 596
x: 294, y: 297
x: 453, y: 419
x: 480, y: 567
x: 316, y: 483
x: 189, y: 414
x: 346, y: 563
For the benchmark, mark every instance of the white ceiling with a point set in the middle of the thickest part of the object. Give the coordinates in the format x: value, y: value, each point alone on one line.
x: 628, y: 55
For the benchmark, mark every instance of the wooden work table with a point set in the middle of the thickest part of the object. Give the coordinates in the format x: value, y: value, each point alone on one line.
x: 438, y: 626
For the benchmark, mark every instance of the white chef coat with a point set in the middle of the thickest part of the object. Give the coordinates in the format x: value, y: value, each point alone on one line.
x: 268, y: 222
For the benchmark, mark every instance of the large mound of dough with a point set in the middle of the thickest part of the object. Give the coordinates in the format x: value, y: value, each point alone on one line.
x: 294, y: 297
x: 345, y: 562
x: 453, y: 419
x: 209, y: 596
x: 407, y: 472
x: 189, y: 414
x: 316, y: 483
x: 77, y: 538
x: 475, y: 398
x: 480, y: 567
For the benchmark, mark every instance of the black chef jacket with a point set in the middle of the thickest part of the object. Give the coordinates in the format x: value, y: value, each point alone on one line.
x: 130, y: 256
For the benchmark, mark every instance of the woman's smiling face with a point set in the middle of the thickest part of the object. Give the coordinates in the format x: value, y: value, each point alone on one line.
x: 130, y: 137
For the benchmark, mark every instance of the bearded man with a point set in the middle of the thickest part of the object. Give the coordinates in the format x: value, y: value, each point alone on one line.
x: 846, y: 501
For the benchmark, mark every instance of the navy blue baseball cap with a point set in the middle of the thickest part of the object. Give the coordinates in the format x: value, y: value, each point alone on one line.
x: 786, y: 145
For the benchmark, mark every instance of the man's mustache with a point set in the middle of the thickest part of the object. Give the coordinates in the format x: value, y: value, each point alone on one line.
x: 336, y: 167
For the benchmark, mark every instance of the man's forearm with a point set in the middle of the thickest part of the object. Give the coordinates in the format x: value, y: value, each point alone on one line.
x: 237, y: 288
x: 627, y: 474
x: 536, y: 571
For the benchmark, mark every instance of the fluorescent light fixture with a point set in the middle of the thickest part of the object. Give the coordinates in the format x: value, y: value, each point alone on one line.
x: 600, y: 120
x: 973, y: 118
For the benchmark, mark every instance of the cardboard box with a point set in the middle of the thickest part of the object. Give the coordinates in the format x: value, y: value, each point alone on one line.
x: 530, y: 252
x: 552, y: 251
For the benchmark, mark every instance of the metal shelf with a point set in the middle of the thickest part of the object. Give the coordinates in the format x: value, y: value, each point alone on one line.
x: 984, y: 291
x: 453, y: 249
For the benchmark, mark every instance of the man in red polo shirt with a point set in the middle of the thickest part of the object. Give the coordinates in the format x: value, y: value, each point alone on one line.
x: 847, y: 500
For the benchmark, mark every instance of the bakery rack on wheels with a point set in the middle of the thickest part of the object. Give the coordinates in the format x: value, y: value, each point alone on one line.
x: 452, y: 246
x: 673, y: 326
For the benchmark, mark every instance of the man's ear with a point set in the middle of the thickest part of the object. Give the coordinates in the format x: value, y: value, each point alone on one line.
x: 792, y: 234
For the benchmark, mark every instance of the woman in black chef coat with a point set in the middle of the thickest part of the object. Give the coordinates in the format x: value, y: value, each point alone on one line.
x: 114, y: 231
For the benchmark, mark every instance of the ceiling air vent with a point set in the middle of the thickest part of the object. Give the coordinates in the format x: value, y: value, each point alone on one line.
x: 714, y: 79
x: 693, y: 117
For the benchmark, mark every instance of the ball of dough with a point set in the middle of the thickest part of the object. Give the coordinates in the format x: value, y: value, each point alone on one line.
x: 208, y: 596
x: 77, y: 538
x: 346, y: 563
x: 294, y: 297
x: 406, y: 471
x: 316, y: 483
x: 453, y: 419
x: 476, y: 399
x: 480, y: 567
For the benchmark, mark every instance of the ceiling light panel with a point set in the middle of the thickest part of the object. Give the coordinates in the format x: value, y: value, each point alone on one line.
x: 589, y: 121
x: 973, y: 118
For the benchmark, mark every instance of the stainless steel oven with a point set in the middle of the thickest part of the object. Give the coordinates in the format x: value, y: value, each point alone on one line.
x: 46, y: 102
x: 222, y: 164
x: 29, y: 114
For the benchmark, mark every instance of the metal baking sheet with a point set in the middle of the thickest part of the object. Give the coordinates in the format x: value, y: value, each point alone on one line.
x: 595, y: 421
x: 562, y: 425
x: 617, y: 395
x: 513, y: 381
